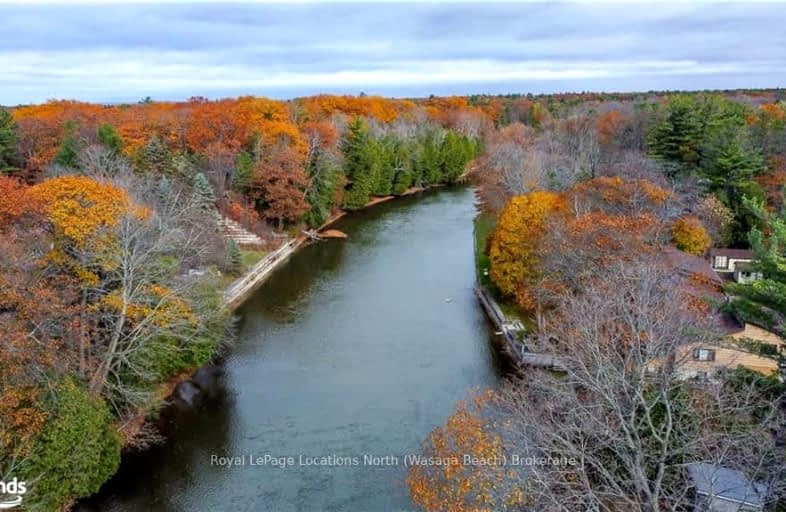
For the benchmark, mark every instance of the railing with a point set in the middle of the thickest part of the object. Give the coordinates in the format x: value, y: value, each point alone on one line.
x: 253, y: 277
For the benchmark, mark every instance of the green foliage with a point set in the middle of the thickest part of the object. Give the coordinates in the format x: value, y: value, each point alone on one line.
x: 322, y: 173
x: 361, y: 164
x: 9, y: 155
x: 155, y: 157
x: 244, y: 168
x: 763, y: 302
x: 202, y: 195
x: 234, y: 258
x: 429, y: 163
x: 189, y: 345
x: 68, y: 153
x: 78, y: 450
x: 109, y: 138
x: 401, y: 161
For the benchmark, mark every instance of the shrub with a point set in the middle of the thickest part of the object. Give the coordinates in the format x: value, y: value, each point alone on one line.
x: 77, y: 451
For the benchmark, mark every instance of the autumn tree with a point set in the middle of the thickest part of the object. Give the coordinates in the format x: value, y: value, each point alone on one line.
x: 279, y: 186
x: 470, y: 473
x: 514, y: 243
x: 690, y: 236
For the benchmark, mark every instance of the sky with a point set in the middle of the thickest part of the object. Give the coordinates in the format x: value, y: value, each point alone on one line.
x: 115, y: 52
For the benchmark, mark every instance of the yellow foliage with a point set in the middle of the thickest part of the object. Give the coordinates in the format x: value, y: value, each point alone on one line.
x: 79, y: 208
x: 690, y: 236
x: 514, y: 242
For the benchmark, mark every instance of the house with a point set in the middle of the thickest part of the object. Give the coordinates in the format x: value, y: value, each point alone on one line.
x: 745, y: 273
x: 734, y: 264
x: 703, y: 286
x: 703, y: 360
x: 722, y: 489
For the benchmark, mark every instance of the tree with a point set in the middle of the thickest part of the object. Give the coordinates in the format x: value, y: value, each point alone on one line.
x: 202, y: 196
x: 109, y: 138
x: 279, y: 186
x: 690, y: 236
x: 78, y: 450
x: 234, y: 258
x: 68, y: 153
x: 9, y: 154
x: 470, y: 474
x: 513, y: 250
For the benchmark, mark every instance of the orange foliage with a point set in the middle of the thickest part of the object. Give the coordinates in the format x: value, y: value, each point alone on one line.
x: 610, y: 125
x: 321, y: 107
x: 513, y: 250
x: 15, y: 201
x: 467, y: 471
x: 690, y: 236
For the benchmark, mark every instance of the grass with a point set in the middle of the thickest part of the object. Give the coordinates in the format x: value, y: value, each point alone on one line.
x: 484, y: 224
x: 251, y: 257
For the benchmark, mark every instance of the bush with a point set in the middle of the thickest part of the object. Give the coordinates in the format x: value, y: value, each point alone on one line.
x: 77, y: 451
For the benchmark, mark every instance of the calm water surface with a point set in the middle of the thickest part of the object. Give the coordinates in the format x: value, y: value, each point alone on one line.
x: 354, y: 347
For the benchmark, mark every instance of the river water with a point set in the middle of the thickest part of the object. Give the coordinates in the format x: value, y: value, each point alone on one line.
x: 354, y: 348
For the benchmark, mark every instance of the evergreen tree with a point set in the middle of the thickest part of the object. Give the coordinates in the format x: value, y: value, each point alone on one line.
x: 429, y: 163
x: 323, y: 174
x: 234, y: 258
x: 68, y: 153
x: 164, y: 189
x: 402, y: 167
x: 109, y: 138
x: 676, y: 138
x: 9, y: 155
x: 156, y: 157
x: 361, y: 164
x: 203, y: 196
x: 244, y: 168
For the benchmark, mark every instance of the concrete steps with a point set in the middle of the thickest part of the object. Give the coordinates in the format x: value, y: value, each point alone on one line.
x: 234, y: 231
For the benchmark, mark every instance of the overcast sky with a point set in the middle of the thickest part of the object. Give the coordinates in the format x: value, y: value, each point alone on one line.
x: 114, y: 52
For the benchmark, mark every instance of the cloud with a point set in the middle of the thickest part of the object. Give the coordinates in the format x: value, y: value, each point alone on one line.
x: 126, y: 51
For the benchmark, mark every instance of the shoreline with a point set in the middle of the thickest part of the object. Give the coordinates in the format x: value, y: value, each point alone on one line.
x: 233, y: 300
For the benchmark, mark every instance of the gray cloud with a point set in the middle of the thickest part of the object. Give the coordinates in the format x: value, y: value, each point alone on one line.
x: 172, y: 51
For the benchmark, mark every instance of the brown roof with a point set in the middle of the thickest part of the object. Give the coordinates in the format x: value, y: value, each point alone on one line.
x: 692, y: 265
x: 739, y: 254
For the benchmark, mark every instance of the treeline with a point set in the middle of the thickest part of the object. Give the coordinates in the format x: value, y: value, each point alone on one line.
x: 268, y: 162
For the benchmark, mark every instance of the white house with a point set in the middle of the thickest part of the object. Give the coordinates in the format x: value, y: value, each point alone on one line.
x: 734, y: 264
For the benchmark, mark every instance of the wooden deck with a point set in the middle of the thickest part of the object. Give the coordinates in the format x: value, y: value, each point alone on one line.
x: 509, y: 330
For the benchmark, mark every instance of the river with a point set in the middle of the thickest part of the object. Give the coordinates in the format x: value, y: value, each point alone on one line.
x: 356, y: 347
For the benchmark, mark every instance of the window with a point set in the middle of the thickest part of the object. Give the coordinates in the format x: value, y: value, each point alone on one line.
x: 721, y: 262
x: 704, y: 354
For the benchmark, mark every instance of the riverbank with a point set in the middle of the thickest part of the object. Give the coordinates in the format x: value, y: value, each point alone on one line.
x: 350, y: 348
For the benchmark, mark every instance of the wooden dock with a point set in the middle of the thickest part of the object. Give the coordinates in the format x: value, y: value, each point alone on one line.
x: 509, y: 330
x: 246, y: 284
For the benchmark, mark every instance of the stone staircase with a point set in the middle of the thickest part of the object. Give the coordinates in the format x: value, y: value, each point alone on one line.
x: 234, y: 231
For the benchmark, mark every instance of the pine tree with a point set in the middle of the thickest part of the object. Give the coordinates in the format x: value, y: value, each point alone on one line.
x: 322, y: 174
x: 68, y: 153
x: 9, y: 155
x: 234, y: 258
x: 164, y: 189
x: 109, y: 138
x: 203, y: 196
x: 402, y: 166
x: 156, y: 157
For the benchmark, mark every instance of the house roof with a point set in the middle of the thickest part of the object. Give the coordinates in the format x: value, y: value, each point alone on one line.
x: 739, y: 254
x: 726, y: 483
x: 691, y: 265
